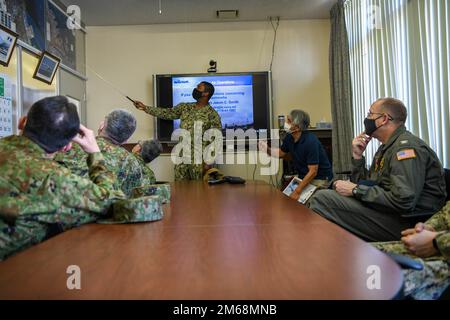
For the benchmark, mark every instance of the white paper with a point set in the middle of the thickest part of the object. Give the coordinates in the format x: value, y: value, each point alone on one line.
x: 6, y: 110
x: 6, y: 128
x: 306, y: 193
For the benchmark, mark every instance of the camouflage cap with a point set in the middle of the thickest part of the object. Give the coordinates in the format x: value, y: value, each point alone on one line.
x: 161, y: 189
x: 213, y: 173
x: 141, y: 209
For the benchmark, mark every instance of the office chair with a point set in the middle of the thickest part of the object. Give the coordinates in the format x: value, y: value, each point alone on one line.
x: 447, y: 182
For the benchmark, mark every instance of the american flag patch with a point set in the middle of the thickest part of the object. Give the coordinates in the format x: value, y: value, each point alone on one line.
x: 406, y: 154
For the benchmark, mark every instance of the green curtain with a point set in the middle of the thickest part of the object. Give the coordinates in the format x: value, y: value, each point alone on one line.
x: 341, y: 90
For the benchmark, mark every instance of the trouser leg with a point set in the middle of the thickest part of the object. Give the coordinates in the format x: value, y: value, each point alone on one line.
x: 188, y: 172
x: 425, y: 284
x: 355, y: 217
x: 181, y: 172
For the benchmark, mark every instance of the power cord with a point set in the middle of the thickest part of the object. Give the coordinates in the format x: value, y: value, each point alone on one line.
x: 275, y: 28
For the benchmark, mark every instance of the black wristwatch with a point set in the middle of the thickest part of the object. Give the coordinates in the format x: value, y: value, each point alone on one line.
x: 435, y: 245
x: 354, y: 191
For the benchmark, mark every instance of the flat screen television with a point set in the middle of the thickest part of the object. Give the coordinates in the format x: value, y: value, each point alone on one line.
x: 243, y: 100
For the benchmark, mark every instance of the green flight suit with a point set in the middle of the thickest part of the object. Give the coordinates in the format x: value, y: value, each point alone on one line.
x: 188, y: 113
x: 405, y: 182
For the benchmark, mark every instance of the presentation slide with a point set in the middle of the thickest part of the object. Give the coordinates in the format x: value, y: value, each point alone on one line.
x: 232, y: 99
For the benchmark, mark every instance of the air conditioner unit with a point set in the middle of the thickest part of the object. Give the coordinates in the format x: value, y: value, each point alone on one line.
x: 227, y: 14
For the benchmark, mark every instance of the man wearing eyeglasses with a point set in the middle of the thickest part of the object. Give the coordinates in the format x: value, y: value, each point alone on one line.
x: 404, y: 184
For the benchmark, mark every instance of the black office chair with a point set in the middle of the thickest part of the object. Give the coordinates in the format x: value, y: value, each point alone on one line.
x: 447, y: 182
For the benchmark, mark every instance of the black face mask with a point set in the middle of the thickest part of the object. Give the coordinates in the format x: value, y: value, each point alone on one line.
x: 370, y: 126
x: 196, y: 94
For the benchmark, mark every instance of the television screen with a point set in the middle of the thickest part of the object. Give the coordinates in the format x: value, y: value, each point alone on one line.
x: 241, y: 99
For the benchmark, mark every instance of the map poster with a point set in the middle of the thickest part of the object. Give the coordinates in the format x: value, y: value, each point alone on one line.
x: 27, y: 18
x: 60, y: 39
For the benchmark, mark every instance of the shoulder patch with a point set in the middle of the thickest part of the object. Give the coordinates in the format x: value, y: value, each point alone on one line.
x: 406, y: 154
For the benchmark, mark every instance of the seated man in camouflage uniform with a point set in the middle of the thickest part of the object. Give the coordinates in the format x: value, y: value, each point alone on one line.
x: 146, y: 152
x: 114, y: 131
x: 37, y: 195
x: 429, y: 243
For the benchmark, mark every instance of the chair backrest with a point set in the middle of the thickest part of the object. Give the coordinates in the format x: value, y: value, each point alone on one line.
x: 447, y: 182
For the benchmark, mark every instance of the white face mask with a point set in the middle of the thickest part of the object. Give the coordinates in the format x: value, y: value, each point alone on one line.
x: 287, y: 127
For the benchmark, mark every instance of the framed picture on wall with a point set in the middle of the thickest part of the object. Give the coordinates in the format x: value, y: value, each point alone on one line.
x: 8, y: 41
x: 76, y: 102
x: 46, y: 68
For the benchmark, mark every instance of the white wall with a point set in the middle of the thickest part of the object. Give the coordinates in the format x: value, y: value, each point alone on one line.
x: 128, y: 56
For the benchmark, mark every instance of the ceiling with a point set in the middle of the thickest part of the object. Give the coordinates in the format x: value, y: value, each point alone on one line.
x: 136, y: 12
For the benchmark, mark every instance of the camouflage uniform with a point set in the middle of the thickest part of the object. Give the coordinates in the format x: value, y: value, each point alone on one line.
x: 188, y: 113
x: 143, y: 209
x: 160, y: 189
x: 430, y: 282
x: 37, y: 194
x: 129, y: 172
x: 148, y: 172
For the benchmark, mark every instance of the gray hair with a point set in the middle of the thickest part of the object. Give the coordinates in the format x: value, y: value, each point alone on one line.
x: 300, y: 118
x: 120, y: 125
x: 150, y: 149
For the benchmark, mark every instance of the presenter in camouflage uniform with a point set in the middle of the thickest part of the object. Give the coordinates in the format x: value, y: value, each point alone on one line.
x: 38, y: 196
x: 189, y: 113
x: 405, y: 181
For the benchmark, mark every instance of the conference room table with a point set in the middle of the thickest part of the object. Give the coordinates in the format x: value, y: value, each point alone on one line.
x: 225, y: 242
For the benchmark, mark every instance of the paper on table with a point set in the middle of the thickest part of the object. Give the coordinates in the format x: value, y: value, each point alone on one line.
x: 306, y: 193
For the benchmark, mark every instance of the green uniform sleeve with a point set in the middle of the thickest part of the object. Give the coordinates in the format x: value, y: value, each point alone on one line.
x: 440, y: 221
x: 149, y: 175
x: 215, y: 121
x: 94, y: 195
x: 166, y: 113
x: 359, y: 170
x: 403, y: 187
x: 64, y: 190
x: 13, y: 205
x: 132, y: 174
x: 443, y: 243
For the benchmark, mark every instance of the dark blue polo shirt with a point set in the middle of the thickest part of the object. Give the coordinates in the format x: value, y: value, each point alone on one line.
x: 308, y: 151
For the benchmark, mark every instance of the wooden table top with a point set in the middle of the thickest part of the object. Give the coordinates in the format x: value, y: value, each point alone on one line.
x: 215, y: 242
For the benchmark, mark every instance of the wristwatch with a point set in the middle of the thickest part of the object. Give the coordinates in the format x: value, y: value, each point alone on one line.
x: 354, y: 191
x: 435, y: 245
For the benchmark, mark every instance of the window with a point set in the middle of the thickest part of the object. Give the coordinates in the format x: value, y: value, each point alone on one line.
x: 401, y: 48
